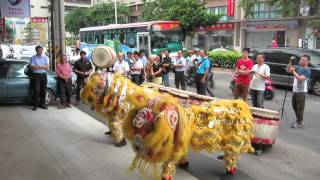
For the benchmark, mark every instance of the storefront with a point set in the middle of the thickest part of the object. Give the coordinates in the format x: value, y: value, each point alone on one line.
x: 260, y: 34
x: 216, y: 36
x: 312, y: 39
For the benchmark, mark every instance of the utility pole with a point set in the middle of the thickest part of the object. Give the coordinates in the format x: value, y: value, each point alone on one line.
x: 58, y: 28
x: 115, y: 11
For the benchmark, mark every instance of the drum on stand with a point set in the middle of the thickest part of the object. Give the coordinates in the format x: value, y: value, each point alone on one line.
x: 103, y: 57
x: 266, y: 126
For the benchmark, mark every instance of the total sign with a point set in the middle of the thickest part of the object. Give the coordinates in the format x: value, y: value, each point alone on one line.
x: 15, y: 8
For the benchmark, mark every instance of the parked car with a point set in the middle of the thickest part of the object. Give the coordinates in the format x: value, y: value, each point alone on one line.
x: 278, y: 59
x: 15, y: 83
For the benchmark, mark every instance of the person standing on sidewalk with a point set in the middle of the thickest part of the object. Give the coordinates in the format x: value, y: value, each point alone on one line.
x: 144, y: 60
x: 261, y: 72
x: 64, y: 73
x: 39, y: 65
x: 209, y: 79
x: 121, y: 66
x: 166, y: 63
x: 301, y: 75
x: 243, y: 76
x: 149, y: 69
x: 180, y: 67
x: 82, y: 68
x: 136, y: 69
x: 156, y: 71
x: 203, y: 67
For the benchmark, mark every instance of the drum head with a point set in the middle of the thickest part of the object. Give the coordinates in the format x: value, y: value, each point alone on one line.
x: 103, y: 56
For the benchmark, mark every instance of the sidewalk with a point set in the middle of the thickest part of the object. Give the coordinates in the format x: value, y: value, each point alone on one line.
x: 60, y: 144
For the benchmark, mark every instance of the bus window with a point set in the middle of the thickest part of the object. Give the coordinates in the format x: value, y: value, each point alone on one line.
x: 122, y: 37
x: 169, y: 40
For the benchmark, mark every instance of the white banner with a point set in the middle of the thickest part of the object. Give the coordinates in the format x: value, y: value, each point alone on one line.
x: 15, y: 8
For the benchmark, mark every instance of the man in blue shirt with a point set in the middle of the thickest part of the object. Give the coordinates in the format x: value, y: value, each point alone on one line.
x: 202, y: 73
x: 39, y: 65
x: 301, y: 75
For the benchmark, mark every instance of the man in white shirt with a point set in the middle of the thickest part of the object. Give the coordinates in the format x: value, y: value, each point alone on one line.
x: 121, y: 66
x: 260, y: 72
x: 136, y: 69
x: 75, y: 56
x: 180, y: 67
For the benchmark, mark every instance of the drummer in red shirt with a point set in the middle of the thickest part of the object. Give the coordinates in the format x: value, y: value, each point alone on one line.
x: 243, y: 75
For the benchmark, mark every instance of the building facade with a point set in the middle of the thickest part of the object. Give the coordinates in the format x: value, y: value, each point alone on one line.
x: 220, y: 35
x: 267, y: 24
x: 42, y: 8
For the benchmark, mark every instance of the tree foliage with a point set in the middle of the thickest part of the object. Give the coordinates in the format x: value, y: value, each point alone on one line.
x: 190, y: 13
x: 101, y: 14
x: 288, y: 8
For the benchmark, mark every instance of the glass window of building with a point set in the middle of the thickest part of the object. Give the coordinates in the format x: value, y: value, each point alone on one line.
x: 222, y: 10
x: 262, y: 10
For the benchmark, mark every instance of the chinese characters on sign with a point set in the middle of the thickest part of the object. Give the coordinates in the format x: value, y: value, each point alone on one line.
x: 230, y: 8
x: 15, y: 8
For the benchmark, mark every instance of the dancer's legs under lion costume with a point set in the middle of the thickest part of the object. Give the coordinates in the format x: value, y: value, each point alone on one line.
x: 106, y: 96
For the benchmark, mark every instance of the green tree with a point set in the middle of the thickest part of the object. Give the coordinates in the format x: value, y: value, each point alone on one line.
x: 288, y: 8
x: 100, y: 14
x: 191, y: 13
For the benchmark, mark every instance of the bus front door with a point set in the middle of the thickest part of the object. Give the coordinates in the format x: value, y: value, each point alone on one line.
x: 143, y: 40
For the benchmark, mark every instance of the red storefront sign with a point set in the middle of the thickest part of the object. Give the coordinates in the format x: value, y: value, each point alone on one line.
x: 39, y: 20
x: 219, y: 26
x: 230, y: 8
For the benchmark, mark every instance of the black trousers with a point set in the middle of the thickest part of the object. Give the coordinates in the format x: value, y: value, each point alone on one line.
x: 201, y: 87
x: 80, y: 84
x: 257, y: 98
x: 136, y: 78
x: 298, y: 103
x: 65, y: 89
x: 209, y: 84
x: 40, y: 85
x: 180, y: 80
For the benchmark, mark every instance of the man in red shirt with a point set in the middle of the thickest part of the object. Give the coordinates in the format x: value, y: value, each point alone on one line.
x: 243, y: 75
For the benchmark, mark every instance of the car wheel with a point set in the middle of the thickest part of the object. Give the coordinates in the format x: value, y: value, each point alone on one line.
x: 49, y: 97
x: 316, y: 87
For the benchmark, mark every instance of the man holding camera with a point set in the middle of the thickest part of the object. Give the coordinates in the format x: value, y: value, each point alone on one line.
x: 301, y: 75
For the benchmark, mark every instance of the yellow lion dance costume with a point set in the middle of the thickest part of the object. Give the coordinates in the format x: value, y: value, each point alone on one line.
x: 162, y: 129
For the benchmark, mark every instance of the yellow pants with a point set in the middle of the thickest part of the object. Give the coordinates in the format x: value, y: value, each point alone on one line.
x: 157, y: 80
x: 115, y: 125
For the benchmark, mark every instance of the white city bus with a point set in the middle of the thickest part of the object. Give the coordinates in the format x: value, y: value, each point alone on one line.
x: 152, y: 37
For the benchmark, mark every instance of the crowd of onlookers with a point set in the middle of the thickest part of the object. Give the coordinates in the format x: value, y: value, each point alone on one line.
x: 156, y: 69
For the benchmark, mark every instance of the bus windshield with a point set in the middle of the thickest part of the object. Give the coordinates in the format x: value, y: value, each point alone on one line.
x: 165, y: 40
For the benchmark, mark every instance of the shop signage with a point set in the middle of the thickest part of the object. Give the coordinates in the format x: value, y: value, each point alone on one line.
x: 260, y: 25
x: 15, y: 8
x: 219, y: 26
x: 230, y: 8
x: 39, y: 20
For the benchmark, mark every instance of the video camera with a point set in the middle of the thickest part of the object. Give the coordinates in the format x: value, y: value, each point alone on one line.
x: 292, y: 61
